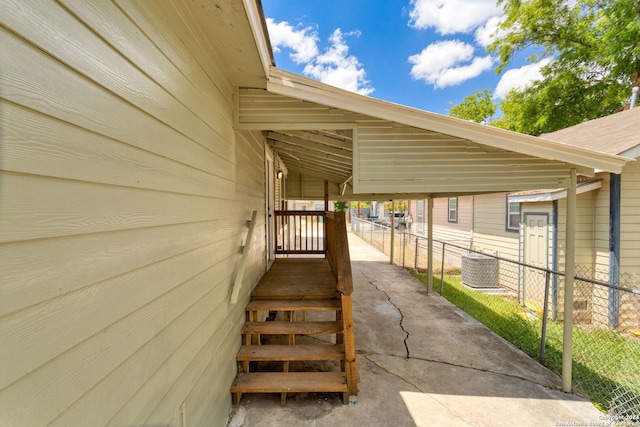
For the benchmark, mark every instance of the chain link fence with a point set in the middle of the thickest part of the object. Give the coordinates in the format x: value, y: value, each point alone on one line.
x: 509, y: 297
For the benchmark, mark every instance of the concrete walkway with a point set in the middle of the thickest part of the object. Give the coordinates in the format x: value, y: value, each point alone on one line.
x: 423, y: 362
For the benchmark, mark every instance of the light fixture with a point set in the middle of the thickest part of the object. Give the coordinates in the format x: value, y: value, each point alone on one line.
x: 279, y: 174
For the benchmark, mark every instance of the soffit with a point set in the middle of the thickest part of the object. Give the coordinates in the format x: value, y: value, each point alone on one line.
x: 227, y: 31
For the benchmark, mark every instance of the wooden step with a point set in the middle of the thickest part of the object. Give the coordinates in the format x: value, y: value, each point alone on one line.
x: 290, y: 352
x: 295, y: 305
x: 289, y: 382
x: 288, y: 328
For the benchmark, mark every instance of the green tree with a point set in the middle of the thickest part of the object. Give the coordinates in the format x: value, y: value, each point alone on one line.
x: 400, y: 206
x: 595, y: 47
x: 340, y: 206
x: 478, y: 107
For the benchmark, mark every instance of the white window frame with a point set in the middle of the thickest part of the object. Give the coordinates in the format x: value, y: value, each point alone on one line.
x: 512, y: 214
x: 452, y: 210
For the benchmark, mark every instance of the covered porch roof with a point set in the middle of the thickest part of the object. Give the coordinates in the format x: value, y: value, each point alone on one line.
x: 372, y: 149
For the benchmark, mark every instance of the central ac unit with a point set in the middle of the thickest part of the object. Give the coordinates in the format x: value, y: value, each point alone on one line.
x: 479, y: 271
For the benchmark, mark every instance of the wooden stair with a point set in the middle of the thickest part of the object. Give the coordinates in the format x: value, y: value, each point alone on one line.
x: 294, y: 287
x: 288, y: 382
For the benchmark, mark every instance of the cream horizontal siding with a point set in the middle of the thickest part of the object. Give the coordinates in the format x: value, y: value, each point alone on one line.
x: 601, y: 230
x: 124, y: 196
x: 303, y: 187
x: 399, y: 158
x: 260, y: 109
x: 585, y: 231
x: 489, y: 232
x: 630, y: 219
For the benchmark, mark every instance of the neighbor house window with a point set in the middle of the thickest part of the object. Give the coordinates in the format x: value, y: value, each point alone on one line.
x: 513, y: 215
x: 453, y: 209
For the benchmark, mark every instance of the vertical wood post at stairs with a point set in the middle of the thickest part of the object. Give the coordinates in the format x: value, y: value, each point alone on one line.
x: 302, y: 285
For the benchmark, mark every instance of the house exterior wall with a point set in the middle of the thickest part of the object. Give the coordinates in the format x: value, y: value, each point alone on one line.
x: 601, y: 228
x: 124, y: 198
x: 457, y: 233
x: 489, y: 232
x: 585, y: 231
x: 630, y: 219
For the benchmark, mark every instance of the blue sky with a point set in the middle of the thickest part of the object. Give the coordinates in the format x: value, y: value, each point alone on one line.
x: 427, y: 54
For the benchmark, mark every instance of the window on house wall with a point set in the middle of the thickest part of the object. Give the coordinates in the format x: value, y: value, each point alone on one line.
x: 453, y: 209
x: 513, y: 215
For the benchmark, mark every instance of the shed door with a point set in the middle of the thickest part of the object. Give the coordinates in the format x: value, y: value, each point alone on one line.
x: 535, y: 253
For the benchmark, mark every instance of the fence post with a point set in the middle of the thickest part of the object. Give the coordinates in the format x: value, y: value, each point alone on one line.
x: 545, y: 310
x: 404, y: 238
x: 415, y: 262
x: 371, y: 232
x: 442, y: 270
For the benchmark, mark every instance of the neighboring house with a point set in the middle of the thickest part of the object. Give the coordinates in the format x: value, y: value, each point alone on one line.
x: 452, y: 219
x: 137, y: 139
x: 308, y: 205
x: 529, y: 226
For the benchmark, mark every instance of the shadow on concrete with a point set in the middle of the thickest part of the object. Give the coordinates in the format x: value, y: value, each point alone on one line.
x: 423, y: 362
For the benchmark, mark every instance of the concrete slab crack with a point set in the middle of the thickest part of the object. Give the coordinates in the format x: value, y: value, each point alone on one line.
x: 406, y: 333
x: 455, y: 365
x: 366, y: 356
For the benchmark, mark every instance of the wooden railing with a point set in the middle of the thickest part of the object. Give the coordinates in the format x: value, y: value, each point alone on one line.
x: 340, y: 261
x: 338, y: 251
x: 300, y: 232
x: 315, y: 232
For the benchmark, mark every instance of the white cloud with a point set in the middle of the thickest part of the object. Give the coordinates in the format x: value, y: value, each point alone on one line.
x: 452, y: 16
x: 303, y: 41
x: 448, y: 63
x: 336, y: 67
x: 519, y: 78
x: 487, y: 33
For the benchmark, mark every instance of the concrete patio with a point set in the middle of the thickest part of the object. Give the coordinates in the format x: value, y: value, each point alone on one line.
x: 423, y: 362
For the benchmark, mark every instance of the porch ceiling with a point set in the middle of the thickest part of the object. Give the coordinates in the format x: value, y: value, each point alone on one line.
x: 372, y: 149
x: 322, y: 154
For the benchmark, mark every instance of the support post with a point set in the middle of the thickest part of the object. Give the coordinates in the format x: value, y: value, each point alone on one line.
x: 615, y: 187
x: 444, y: 248
x: 326, y: 195
x: 430, y: 247
x: 570, y: 251
x: 393, y: 231
x: 554, y: 263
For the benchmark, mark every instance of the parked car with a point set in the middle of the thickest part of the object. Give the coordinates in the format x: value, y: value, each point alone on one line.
x: 399, y: 220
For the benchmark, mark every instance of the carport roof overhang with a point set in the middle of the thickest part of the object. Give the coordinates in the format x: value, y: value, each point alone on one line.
x: 372, y: 149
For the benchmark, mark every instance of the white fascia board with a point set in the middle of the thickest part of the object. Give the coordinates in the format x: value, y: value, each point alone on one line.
x: 554, y: 194
x: 631, y: 153
x: 256, y: 16
x: 295, y: 86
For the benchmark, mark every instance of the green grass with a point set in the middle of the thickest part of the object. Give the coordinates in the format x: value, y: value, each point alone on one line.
x: 601, y: 358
